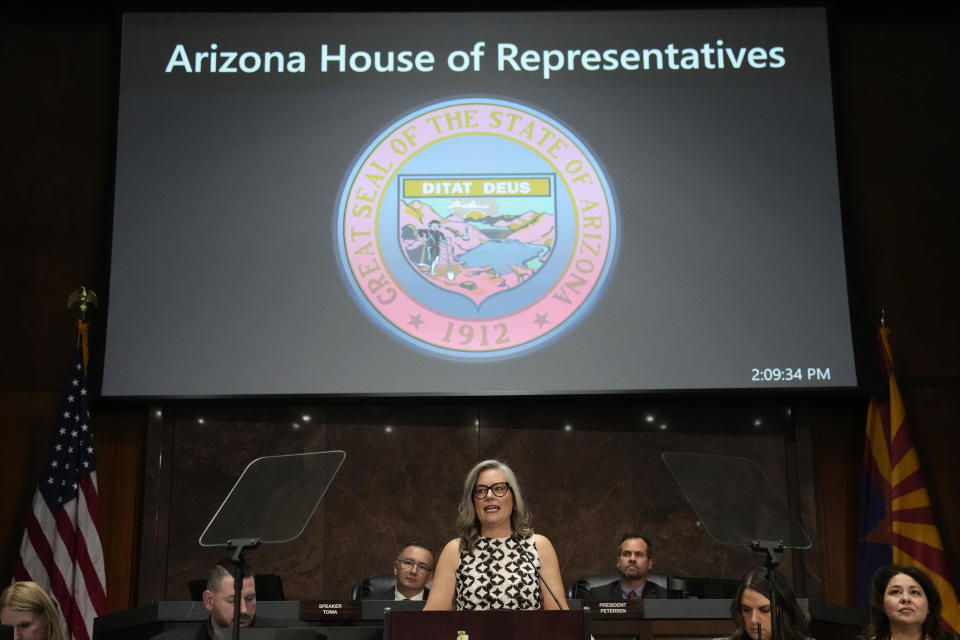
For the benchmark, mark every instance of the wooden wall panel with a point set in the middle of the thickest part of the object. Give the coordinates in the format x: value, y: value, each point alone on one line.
x: 57, y: 146
x: 894, y: 77
x: 119, y: 448
x: 838, y: 429
x: 933, y: 412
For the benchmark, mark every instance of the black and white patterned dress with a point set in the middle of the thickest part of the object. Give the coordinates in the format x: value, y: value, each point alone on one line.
x: 496, y: 575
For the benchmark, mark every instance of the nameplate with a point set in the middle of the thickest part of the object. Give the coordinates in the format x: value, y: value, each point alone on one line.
x: 615, y: 609
x: 331, y: 610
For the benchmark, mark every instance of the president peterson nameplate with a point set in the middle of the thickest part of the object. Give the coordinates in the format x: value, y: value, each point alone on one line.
x: 476, y: 229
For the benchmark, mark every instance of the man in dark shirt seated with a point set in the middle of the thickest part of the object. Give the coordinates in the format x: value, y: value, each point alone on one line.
x: 413, y: 569
x: 634, y: 562
x: 218, y: 599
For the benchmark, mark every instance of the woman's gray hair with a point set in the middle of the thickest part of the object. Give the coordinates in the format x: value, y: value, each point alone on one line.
x: 468, y: 526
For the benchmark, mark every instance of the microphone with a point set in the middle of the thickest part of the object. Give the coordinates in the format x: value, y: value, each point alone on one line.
x: 515, y: 537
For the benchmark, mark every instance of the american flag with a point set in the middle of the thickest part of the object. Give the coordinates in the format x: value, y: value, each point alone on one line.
x: 61, y: 548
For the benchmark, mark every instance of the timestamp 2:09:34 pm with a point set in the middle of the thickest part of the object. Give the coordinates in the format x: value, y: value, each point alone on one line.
x: 789, y: 374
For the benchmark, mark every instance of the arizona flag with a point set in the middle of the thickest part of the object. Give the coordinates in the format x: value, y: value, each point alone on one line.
x: 61, y: 548
x: 896, y: 519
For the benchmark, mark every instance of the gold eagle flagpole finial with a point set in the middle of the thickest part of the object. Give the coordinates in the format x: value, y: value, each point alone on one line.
x: 84, y: 297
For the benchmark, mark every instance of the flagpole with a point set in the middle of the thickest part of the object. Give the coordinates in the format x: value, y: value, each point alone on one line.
x: 83, y: 297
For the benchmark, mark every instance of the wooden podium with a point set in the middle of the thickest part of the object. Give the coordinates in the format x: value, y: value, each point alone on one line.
x: 487, y: 625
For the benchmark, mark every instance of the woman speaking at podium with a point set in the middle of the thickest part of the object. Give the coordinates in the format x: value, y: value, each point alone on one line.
x: 497, y: 562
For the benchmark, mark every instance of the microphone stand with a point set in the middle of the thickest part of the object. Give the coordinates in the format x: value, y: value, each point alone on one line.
x: 237, y: 570
x: 771, y: 562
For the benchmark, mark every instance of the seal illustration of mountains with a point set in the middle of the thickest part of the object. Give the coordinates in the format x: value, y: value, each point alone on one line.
x: 480, y: 254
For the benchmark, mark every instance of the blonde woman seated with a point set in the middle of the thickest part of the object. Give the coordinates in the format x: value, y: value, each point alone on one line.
x: 491, y: 565
x: 904, y: 605
x: 31, y: 612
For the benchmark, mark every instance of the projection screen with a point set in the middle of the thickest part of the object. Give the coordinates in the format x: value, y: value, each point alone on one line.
x: 476, y: 203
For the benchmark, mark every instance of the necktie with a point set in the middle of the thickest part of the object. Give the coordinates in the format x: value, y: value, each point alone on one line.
x: 632, y: 595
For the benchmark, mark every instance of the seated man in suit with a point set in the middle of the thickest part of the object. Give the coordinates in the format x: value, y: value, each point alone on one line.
x: 413, y: 568
x: 218, y: 599
x: 634, y: 562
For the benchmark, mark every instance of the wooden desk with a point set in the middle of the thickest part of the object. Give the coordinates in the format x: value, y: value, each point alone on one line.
x: 656, y: 620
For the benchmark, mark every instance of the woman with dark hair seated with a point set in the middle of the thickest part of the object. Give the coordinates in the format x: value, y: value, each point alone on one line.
x: 904, y: 605
x: 750, y: 609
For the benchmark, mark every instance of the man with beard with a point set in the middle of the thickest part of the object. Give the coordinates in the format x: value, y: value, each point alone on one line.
x: 634, y: 562
x: 218, y: 599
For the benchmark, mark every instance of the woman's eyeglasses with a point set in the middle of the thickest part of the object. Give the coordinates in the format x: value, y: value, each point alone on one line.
x: 499, y: 490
